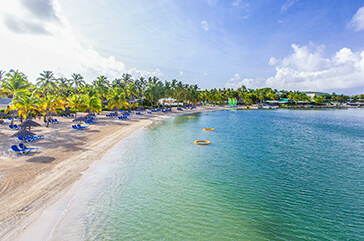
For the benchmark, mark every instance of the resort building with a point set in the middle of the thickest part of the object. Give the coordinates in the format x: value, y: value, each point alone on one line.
x: 169, y: 102
x: 4, y: 103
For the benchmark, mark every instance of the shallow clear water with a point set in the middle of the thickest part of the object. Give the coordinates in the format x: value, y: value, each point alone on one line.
x: 267, y: 175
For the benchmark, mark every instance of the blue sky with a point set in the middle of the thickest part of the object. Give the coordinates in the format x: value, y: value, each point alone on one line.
x: 283, y: 44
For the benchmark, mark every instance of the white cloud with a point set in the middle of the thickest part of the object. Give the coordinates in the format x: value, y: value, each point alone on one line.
x: 357, y: 22
x: 50, y: 44
x: 205, y: 74
x: 240, y: 4
x: 238, y: 81
x: 307, y: 69
x: 236, y: 3
x: 205, y: 25
x: 212, y: 3
x: 143, y: 73
x: 310, y: 70
x: 288, y: 4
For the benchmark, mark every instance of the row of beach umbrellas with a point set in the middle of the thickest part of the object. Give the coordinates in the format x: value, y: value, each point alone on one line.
x: 30, y: 123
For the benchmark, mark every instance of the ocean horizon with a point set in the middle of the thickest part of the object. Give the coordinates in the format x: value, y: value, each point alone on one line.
x: 267, y: 175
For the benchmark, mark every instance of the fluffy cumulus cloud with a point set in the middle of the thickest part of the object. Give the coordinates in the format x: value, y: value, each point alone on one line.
x: 31, y: 16
x: 307, y: 69
x: 205, y: 25
x: 238, y: 81
x: 36, y: 37
x: 357, y: 22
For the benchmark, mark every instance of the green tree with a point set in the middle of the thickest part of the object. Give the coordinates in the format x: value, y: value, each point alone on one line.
x: 77, y: 82
x: 116, y: 99
x: 25, y: 102
x: 46, y: 81
x: 13, y: 82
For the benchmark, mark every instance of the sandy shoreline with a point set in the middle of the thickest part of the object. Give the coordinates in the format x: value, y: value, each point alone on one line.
x: 35, y: 189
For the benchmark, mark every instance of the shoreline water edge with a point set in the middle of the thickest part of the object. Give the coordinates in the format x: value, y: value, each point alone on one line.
x: 37, y: 188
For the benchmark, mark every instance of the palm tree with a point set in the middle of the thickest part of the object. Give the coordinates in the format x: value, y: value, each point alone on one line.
x: 49, y: 104
x: 116, y: 99
x: 46, y: 81
x: 168, y: 91
x: 25, y: 103
x: 91, y: 103
x: 153, y: 90
x: 101, y: 85
x: 141, y: 87
x: 14, y: 81
x: 132, y: 91
x: 178, y: 91
x: 126, y: 80
x: 63, y: 86
x: 193, y: 93
x: 1, y: 74
x: 77, y: 82
x: 75, y: 101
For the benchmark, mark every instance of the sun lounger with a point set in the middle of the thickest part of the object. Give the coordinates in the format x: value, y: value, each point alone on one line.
x: 76, y: 128
x: 15, y: 149
x: 24, y: 148
x: 90, y: 121
x: 11, y: 127
x: 81, y: 127
x: 123, y: 118
x: 30, y: 138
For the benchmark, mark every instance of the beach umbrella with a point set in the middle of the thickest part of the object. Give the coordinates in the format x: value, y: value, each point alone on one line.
x: 23, y: 133
x: 81, y: 118
x: 29, y: 123
x: 89, y: 115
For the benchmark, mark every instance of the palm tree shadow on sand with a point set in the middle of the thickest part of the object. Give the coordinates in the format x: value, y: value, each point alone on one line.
x: 41, y: 159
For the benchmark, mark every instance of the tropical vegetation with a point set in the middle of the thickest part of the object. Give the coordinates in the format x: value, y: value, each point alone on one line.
x: 51, y: 95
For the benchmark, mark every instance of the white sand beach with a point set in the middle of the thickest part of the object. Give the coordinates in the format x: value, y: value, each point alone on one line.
x: 36, y: 188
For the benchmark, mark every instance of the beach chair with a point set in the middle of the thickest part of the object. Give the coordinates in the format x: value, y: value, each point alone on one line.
x: 91, y: 121
x: 15, y: 149
x: 81, y: 127
x: 77, y: 127
x: 24, y: 148
x: 14, y: 127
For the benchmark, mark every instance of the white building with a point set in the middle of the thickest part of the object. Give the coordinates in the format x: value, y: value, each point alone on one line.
x: 4, y: 102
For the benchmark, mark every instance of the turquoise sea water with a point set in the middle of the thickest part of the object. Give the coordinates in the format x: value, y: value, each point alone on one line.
x: 267, y: 175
